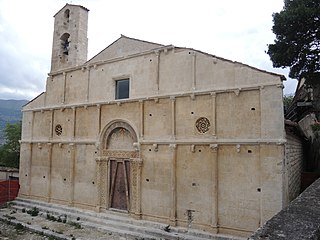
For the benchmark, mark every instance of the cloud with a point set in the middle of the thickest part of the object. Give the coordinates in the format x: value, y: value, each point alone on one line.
x: 236, y: 30
x: 22, y: 69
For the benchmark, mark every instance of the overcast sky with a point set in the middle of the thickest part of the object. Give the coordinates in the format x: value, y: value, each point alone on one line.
x: 232, y: 29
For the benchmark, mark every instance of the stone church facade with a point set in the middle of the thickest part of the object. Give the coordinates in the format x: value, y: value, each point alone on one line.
x: 156, y: 132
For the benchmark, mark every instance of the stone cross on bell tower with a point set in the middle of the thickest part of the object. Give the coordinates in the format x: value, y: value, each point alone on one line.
x: 70, y: 42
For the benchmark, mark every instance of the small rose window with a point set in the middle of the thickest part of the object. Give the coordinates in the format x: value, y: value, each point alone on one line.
x: 58, y: 129
x: 203, y: 125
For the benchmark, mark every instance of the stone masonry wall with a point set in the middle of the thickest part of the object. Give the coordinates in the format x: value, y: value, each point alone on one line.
x: 300, y: 220
x: 294, y: 157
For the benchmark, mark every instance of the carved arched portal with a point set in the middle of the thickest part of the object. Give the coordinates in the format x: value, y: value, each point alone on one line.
x: 120, y: 168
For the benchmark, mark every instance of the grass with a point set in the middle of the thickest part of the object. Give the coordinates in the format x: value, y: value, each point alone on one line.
x: 33, y: 212
x: 51, y: 217
x: 9, y: 217
x: 76, y: 225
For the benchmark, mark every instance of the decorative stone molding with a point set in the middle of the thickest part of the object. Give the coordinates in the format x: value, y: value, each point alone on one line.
x: 214, y: 147
x: 136, y: 165
x: 101, y: 174
x: 105, y: 136
x: 192, y: 148
x: 71, y: 146
x: 101, y: 159
x: 120, y: 154
x: 237, y: 91
x: 155, y: 147
x: 136, y: 146
x: 172, y: 146
x: 238, y: 148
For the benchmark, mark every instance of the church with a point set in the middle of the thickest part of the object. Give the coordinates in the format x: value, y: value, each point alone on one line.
x: 156, y: 132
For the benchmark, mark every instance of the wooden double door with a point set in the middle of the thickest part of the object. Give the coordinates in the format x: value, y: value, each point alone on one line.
x: 120, y: 184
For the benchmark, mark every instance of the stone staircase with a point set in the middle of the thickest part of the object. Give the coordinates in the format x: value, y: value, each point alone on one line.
x: 117, y: 222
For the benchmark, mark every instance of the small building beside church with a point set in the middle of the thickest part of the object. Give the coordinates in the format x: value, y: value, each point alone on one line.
x: 155, y: 132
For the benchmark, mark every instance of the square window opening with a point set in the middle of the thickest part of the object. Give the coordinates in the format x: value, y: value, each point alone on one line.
x: 122, y: 89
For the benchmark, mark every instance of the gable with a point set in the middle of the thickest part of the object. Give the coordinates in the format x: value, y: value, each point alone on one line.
x: 70, y: 6
x: 124, y: 46
x: 37, y: 102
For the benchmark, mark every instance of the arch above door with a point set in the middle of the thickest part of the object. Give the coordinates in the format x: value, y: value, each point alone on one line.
x: 119, y: 140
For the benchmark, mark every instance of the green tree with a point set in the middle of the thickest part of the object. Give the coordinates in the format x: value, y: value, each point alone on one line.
x: 287, y: 100
x: 10, y: 150
x: 297, y: 43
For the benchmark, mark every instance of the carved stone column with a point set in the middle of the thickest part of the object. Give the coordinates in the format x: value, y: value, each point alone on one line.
x: 30, y: 168
x: 99, y: 117
x: 136, y: 168
x: 102, y: 183
x: 72, y: 172
x: 214, y: 180
x: 141, y: 103
x: 173, y: 212
x: 49, y: 172
x: 213, y: 128
x: 173, y: 117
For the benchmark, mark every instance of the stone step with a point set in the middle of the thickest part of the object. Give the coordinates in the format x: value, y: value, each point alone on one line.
x: 118, y: 222
x: 91, y: 218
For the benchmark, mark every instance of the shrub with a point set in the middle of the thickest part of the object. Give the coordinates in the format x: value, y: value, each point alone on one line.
x: 33, y: 212
x: 19, y: 226
x: 76, y: 225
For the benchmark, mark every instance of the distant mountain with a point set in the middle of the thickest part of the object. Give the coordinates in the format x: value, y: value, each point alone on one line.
x: 10, y: 112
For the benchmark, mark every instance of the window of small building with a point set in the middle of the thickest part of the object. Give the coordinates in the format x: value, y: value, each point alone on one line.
x: 122, y: 89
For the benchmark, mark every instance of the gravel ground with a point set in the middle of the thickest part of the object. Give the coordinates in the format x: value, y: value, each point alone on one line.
x: 68, y: 230
x: 10, y: 232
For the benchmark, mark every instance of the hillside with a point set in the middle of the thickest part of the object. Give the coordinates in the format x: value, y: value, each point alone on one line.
x: 10, y: 112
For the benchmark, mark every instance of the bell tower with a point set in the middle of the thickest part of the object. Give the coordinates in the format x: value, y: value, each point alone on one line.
x: 70, y: 42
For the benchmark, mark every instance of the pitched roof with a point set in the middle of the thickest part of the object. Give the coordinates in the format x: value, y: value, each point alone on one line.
x: 71, y: 5
x: 157, y: 45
